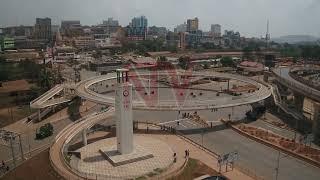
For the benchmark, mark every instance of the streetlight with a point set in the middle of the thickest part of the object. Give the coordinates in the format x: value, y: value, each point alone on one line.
x: 202, y: 136
x: 278, y: 163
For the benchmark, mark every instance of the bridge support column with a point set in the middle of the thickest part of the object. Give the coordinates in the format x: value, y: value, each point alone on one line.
x: 84, y: 137
x: 298, y: 101
x: 39, y: 115
x: 316, y: 122
x: 82, y: 101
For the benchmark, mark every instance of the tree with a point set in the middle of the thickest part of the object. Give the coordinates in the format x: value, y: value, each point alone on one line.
x: 247, y: 52
x: 206, y: 66
x: 46, y: 79
x: 227, y: 61
x: 184, y: 62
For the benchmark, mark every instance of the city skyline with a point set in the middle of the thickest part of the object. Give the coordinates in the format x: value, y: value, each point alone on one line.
x: 297, y: 18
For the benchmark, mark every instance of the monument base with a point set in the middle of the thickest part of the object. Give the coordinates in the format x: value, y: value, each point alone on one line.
x: 116, y: 159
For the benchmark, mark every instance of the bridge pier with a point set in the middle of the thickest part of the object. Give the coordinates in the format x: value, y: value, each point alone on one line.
x: 316, y: 122
x: 39, y: 115
x: 298, y: 101
x: 84, y: 137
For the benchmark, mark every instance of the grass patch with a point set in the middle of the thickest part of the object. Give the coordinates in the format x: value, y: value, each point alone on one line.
x: 141, y: 178
x: 67, y: 157
x: 151, y: 174
x: 158, y: 170
x: 194, y: 169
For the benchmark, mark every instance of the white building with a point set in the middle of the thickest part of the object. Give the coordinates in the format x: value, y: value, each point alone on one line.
x: 64, y: 57
x: 181, y: 28
x: 84, y: 42
x: 216, y: 30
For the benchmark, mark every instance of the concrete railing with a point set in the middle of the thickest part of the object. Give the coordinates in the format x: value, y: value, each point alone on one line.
x: 296, y: 85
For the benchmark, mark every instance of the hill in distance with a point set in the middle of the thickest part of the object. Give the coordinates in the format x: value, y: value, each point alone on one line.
x: 296, y: 39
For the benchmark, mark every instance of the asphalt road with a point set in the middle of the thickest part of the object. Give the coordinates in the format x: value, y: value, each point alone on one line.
x: 257, y: 157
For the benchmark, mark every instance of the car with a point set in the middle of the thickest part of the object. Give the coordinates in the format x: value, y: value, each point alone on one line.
x: 209, y: 177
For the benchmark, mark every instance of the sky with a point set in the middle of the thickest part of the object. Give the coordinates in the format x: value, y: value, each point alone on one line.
x: 249, y: 17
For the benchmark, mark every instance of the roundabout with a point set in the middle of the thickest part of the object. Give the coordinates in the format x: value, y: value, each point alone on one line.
x: 150, y: 99
x: 130, y: 155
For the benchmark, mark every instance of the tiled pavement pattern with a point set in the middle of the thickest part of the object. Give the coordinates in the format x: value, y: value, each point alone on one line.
x: 93, y: 163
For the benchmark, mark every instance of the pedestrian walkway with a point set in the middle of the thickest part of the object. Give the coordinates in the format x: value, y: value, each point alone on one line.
x: 21, y: 127
x: 179, y: 146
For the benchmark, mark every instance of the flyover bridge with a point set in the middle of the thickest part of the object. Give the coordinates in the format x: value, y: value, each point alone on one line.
x: 282, y: 75
x: 300, y: 91
x: 48, y: 99
x: 83, y: 90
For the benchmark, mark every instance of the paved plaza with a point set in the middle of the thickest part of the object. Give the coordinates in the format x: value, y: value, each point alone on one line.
x: 92, y: 163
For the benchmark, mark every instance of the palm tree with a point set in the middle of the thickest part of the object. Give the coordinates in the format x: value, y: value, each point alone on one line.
x: 45, y: 79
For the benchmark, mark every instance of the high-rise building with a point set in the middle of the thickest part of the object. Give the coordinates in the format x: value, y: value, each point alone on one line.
x: 181, y: 28
x: 71, y: 28
x: 108, y: 26
x: 111, y: 22
x: 138, y: 27
x: 69, y: 24
x: 43, y: 29
x: 182, y: 40
x: 157, y: 31
x: 192, y: 25
x: 216, y: 30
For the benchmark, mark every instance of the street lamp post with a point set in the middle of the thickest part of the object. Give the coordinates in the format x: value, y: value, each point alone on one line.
x: 202, y: 136
x: 277, y: 167
x: 278, y: 164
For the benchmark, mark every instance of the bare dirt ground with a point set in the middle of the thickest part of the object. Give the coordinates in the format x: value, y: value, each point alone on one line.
x: 36, y: 168
x: 13, y: 114
x: 194, y: 169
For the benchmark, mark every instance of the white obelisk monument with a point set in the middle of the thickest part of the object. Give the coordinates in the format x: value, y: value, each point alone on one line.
x: 123, y: 106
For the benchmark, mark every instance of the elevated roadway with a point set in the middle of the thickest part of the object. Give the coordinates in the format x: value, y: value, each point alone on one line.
x: 83, y: 90
x: 47, y: 99
x: 282, y: 74
x: 56, y: 155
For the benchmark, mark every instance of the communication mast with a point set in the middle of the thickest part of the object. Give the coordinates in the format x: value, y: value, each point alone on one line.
x: 267, y: 35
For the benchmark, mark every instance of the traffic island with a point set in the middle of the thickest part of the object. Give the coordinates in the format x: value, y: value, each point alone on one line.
x: 289, y: 146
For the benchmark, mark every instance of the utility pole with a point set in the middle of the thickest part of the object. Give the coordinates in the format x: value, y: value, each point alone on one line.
x: 267, y: 36
x: 21, y: 150
x: 278, y: 164
x: 12, y: 151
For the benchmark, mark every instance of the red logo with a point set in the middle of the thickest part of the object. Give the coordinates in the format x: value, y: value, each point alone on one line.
x: 146, y: 84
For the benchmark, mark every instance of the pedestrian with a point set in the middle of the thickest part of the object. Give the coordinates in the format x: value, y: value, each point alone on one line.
x: 7, y: 168
x: 186, y: 153
x: 3, y: 163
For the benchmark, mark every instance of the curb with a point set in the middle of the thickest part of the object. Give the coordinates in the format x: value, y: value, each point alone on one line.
x: 310, y: 161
